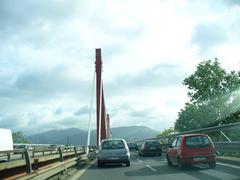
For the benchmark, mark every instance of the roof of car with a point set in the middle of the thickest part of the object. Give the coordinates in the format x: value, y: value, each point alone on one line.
x: 112, y: 139
x: 194, y: 135
x: 151, y: 140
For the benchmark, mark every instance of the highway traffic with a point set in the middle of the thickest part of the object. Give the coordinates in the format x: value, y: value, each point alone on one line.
x: 155, y: 167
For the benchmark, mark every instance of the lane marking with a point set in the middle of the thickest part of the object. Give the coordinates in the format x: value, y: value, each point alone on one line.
x: 82, y: 171
x: 228, y: 165
x: 150, y: 167
x: 136, y: 163
x: 139, y: 160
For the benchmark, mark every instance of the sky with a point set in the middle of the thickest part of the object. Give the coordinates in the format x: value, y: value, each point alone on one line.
x: 47, y: 55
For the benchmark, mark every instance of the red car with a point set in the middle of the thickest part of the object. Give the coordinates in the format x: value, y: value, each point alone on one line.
x: 192, y: 149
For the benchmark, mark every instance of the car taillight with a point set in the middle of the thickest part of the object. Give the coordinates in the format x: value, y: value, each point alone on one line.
x: 179, y: 151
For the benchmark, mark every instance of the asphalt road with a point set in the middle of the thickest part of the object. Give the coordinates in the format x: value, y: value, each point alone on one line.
x: 151, y: 168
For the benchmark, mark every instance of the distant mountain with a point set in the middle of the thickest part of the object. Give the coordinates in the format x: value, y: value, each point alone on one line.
x: 133, y: 133
x: 55, y: 136
x: 77, y: 136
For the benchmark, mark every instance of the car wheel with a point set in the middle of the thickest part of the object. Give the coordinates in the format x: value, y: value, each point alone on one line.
x: 139, y: 153
x: 212, y: 164
x: 168, y: 161
x: 100, y: 164
x: 180, y: 164
x: 128, y: 163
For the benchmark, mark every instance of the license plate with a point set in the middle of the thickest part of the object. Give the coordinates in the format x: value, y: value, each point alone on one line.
x: 199, y: 158
x: 152, y: 148
x: 113, y: 158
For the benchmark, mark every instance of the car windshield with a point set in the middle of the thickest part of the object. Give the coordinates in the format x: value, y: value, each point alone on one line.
x: 113, y: 144
x: 197, y: 141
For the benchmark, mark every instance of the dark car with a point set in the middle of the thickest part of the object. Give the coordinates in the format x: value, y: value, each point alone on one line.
x: 192, y: 149
x: 132, y: 146
x: 150, y: 147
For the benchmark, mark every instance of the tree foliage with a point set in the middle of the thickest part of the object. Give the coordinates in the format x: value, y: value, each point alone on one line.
x: 19, y: 137
x: 166, y: 132
x: 214, y: 97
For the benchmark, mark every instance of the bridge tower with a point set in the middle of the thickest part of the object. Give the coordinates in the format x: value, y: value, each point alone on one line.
x: 100, y: 105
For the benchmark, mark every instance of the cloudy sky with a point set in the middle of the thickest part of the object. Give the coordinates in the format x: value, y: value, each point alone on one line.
x: 148, y: 47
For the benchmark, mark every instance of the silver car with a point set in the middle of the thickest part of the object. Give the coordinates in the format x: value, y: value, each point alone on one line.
x: 113, y: 151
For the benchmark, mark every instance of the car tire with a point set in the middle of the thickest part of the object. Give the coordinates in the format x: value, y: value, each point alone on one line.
x: 180, y: 164
x: 128, y: 163
x: 99, y: 164
x: 168, y: 161
x: 212, y: 164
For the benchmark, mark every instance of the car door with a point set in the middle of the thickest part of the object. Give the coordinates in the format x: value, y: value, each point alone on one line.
x: 175, y: 148
x: 172, y: 151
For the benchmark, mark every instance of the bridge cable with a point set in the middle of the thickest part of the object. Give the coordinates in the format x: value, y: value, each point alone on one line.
x: 90, y: 113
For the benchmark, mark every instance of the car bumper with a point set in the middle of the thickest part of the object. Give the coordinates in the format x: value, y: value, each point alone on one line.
x: 114, y: 159
x: 198, y: 159
x: 152, y: 152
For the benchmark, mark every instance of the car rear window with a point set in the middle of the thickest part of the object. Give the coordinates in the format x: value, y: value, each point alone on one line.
x: 152, y: 143
x: 113, y: 144
x: 197, y: 141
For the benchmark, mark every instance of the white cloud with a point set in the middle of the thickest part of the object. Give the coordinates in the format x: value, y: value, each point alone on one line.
x: 149, y: 47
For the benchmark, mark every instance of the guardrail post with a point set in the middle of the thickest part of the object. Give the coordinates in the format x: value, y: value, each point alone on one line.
x: 35, y: 164
x: 9, y: 156
x: 75, y: 150
x: 28, y: 161
x: 60, y: 154
x: 84, y: 150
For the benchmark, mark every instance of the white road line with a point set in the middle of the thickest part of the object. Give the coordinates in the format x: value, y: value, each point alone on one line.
x: 228, y: 165
x: 82, y: 171
x: 139, y: 160
x: 150, y: 167
x: 136, y: 163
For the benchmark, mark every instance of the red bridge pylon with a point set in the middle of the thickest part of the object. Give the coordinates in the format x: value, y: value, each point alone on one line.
x: 103, y: 120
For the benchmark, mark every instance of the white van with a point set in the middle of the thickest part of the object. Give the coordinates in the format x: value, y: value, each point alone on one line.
x: 6, y: 140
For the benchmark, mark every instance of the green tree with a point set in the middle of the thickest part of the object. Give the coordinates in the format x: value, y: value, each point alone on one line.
x: 214, y: 97
x: 211, y: 81
x: 166, y: 132
x: 19, y: 137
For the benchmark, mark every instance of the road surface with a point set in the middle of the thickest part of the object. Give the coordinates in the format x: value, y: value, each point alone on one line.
x: 156, y: 168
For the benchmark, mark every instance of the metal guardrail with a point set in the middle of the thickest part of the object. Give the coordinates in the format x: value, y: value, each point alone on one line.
x: 31, y: 162
x: 205, y: 130
x: 230, y: 147
x: 214, y: 128
x: 226, y: 146
x: 58, y: 167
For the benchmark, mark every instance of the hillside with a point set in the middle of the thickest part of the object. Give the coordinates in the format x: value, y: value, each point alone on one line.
x: 77, y: 136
